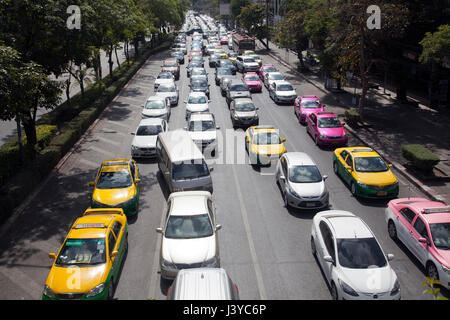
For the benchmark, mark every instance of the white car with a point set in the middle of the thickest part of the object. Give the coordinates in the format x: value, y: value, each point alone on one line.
x: 246, y: 64
x: 271, y: 77
x: 163, y: 78
x: 282, y: 92
x: 196, y: 102
x: 169, y: 90
x: 203, y: 130
x: 189, y: 233
x: 351, y: 258
x: 300, y: 181
x: 157, y: 107
x: 144, y: 141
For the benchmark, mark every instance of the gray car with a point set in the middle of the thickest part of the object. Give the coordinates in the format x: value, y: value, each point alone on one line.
x: 221, y: 72
x: 300, y: 181
x: 224, y: 82
x: 243, y: 113
x: 236, y: 89
x: 227, y: 64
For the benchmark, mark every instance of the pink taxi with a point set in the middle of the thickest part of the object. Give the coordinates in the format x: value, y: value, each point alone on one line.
x: 265, y: 68
x: 252, y: 81
x: 304, y: 105
x: 423, y: 226
x: 326, y: 129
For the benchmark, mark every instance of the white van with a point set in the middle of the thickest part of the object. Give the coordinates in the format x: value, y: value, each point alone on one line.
x: 181, y: 162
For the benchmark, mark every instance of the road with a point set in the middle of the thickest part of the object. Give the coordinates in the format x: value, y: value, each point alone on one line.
x: 264, y: 247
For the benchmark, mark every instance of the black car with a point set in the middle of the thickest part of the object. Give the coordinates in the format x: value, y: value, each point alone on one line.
x: 221, y: 72
x: 213, y: 59
x: 200, y: 85
x: 179, y: 56
x: 191, y: 65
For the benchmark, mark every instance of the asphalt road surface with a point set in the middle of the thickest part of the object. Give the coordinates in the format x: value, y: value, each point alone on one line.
x: 264, y: 247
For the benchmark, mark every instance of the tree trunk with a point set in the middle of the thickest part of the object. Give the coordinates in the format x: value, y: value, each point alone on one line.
x: 110, y: 61
x: 29, y: 127
x: 136, y: 47
x: 117, y: 57
x: 363, y: 77
x: 19, y: 136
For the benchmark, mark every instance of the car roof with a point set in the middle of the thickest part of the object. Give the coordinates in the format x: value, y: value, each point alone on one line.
x: 362, y: 152
x: 298, y: 158
x: 263, y: 128
x: 198, y: 116
x: 431, y: 211
x: 346, y: 225
x: 90, y: 226
x: 250, y: 74
x: 189, y: 203
x: 202, y: 284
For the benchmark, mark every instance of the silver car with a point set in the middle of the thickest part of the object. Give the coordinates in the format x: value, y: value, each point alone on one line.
x: 168, y: 90
x: 156, y: 107
x: 300, y: 181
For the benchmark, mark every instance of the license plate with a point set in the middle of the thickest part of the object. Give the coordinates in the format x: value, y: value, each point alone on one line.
x: 381, y: 193
x: 310, y: 204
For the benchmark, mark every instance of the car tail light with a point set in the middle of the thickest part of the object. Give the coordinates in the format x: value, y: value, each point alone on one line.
x: 237, y: 289
x: 168, y: 290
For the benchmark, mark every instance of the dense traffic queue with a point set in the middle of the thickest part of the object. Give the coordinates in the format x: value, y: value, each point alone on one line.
x: 344, y: 245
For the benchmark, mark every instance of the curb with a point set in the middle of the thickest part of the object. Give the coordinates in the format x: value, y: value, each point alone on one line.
x: 423, y: 187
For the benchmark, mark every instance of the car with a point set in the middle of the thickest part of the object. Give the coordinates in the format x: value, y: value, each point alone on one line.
x: 326, y: 129
x: 180, y: 46
x: 243, y: 113
x: 223, y: 82
x: 199, y: 72
x: 249, y: 52
x: 213, y: 59
x: 116, y: 185
x: 232, y: 57
x: 169, y: 90
x: 263, y: 144
x: 221, y: 72
x: 210, y: 49
x: 300, y: 181
x: 423, y: 226
x: 236, y: 89
x: 199, y: 85
x: 306, y: 104
x: 189, y: 233
x: 144, y: 141
x: 226, y: 63
x: 191, y: 65
x: 230, y: 44
x: 282, y: 92
x: 257, y: 59
x: 365, y: 171
x: 221, y: 53
x: 253, y: 82
x: 93, y: 251
x: 266, y: 68
x: 224, y: 40
x: 246, y: 64
x: 178, y: 55
x: 202, y: 129
x: 163, y: 77
x: 156, y: 107
x: 199, y: 60
x: 194, y: 53
x: 196, y: 102
x: 171, y: 65
x: 271, y: 77
x: 351, y: 258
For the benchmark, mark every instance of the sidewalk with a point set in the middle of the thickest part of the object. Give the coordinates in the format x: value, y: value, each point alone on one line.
x: 387, y: 124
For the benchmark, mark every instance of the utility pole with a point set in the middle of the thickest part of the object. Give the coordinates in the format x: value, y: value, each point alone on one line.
x: 267, y: 24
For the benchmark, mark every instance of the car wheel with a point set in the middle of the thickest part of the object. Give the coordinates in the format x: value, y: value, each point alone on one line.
x: 392, y: 231
x: 316, y: 141
x: 313, y: 247
x: 285, y: 199
x: 432, y: 271
x: 353, y: 188
x: 334, y: 293
x: 111, y: 289
x: 335, y: 167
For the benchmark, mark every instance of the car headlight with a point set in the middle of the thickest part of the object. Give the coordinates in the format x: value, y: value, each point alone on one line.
x: 211, y: 263
x: 347, y: 289
x: 363, y: 185
x: 445, y: 269
x: 323, y: 136
x: 97, y: 290
x: 48, y: 292
x: 292, y: 192
x: 396, y: 288
x: 134, y: 148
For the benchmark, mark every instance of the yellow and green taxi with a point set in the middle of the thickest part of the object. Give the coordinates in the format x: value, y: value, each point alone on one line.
x: 117, y: 186
x: 88, y: 263
x: 249, y: 52
x: 367, y: 174
x: 257, y: 58
x: 232, y: 56
x: 263, y: 144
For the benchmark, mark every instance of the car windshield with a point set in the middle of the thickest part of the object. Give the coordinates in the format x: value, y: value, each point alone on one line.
x: 310, y: 104
x: 165, y: 75
x: 248, y: 60
x: 370, y: 164
x: 199, y: 83
x: 114, y: 179
x: 226, y: 62
x: 189, y: 227
x: 256, y: 57
x: 239, y: 87
x: 276, y: 76
x: 360, y: 253
x: 166, y: 89
x: 267, y: 138
x: 197, y: 99
x: 170, y: 64
x: 440, y: 232
x: 285, y: 87
x: 221, y: 71
x: 204, y: 125
x: 150, y: 130
x: 189, y: 169
x: 82, y: 252
x: 252, y: 78
x: 154, y: 104
x: 331, y: 122
x: 270, y: 69
x: 248, y: 106
x: 304, y: 174
x: 198, y: 72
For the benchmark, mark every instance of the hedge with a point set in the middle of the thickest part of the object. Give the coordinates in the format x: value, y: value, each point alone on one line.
x: 352, y: 116
x: 420, y: 157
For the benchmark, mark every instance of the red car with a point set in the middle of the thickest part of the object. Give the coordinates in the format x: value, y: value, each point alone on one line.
x: 252, y: 81
x: 265, y: 69
x: 224, y: 40
x: 194, y: 53
x: 304, y: 105
x: 423, y: 226
x: 326, y: 129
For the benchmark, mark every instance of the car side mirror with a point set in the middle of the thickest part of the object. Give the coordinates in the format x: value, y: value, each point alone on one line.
x: 159, y: 230
x: 283, y: 140
x: 114, y: 254
x: 218, y: 227
x: 390, y: 165
x: 52, y: 256
x: 328, y: 259
x: 138, y: 180
x: 132, y: 133
x: 91, y: 184
x: 217, y: 127
x: 246, y: 139
x: 349, y: 169
x: 423, y: 240
x: 390, y: 256
x: 325, y: 177
x: 185, y: 128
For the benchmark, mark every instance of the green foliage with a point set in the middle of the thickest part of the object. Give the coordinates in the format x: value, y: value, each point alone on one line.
x: 430, y: 283
x: 251, y: 18
x: 352, y: 116
x: 420, y: 157
x: 436, y: 46
x: 236, y: 7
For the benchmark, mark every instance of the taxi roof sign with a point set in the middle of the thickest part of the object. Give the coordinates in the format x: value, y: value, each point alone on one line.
x: 437, y: 209
x: 362, y: 150
x: 89, y: 225
x: 115, y: 163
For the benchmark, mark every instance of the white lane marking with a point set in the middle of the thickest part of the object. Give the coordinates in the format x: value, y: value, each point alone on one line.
x: 255, y: 262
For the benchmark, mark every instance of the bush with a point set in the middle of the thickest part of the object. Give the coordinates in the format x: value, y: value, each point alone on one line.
x: 420, y: 157
x: 352, y: 116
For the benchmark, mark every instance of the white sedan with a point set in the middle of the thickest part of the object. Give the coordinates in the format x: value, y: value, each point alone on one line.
x: 351, y: 258
x: 144, y: 141
x: 196, y: 102
x: 282, y: 92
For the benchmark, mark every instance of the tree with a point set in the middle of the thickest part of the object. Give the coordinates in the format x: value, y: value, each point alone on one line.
x: 252, y: 19
x: 236, y: 7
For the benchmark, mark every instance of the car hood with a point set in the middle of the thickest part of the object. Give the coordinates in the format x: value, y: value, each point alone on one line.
x: 58, y: 279
x: 235, y: 94
x: 443, y: 256
x: 253, y: 83
x: 377, y: 178
x: 197, y: 107
x: 154, y: 112
x: 286, y: 93
x: 203, y: 135
x: 376, y: 280
x: 113, y: 196
x: 310, y: 110
x: 188, y: 250
x: 251, y: 64
x: 144, y: 141
x: 332, y: 132
x: 315, y: 189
